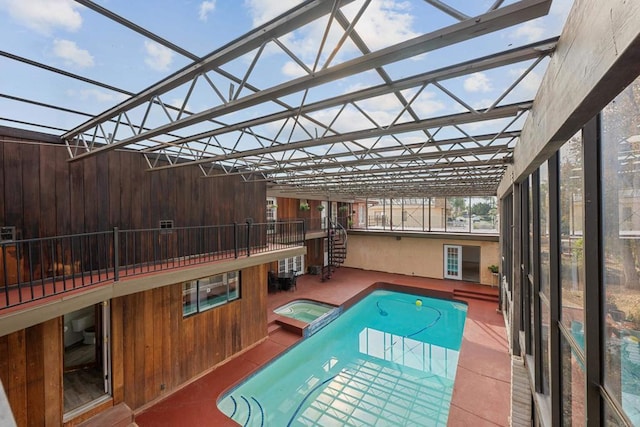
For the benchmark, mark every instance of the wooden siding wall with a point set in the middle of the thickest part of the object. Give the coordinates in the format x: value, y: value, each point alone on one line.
x: 290, y: 209
x: 31, y: 371
x: 155, y: 349
x: 43, y: 195
x: 315, y: 252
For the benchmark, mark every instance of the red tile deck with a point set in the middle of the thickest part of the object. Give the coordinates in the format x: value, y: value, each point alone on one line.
x: 481, y: 395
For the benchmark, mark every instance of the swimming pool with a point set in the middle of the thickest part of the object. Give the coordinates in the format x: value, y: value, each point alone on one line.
x: 387, y: 361
x: 304, y: 310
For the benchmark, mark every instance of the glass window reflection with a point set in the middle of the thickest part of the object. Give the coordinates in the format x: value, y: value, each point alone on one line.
x: 620, y: 153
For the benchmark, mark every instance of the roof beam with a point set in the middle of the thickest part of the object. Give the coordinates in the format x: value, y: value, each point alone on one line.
x: 524, y: 53
x: 483, y: 24
x: 284, y: 24
x: 467, y: 117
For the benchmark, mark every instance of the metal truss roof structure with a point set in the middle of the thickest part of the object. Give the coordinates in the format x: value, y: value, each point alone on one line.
x: 322, y: 133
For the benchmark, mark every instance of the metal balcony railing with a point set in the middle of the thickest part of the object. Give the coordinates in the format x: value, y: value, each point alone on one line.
x: 33, y: 269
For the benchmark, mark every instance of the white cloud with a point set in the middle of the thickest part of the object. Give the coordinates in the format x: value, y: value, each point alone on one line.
x: 44, y: 16
x: 477, y: 82
x: 72, y: 54
x: 292, y: 69
x: 385, y: 22
x: 426, y: 105
x: 158, y: 57
x: 206, y: 7
x: 531, y: 31
x: 97, y: 95
x: 528, y: 87
x: 262, y: 11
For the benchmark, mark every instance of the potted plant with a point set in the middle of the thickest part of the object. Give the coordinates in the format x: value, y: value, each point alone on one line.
x: 304, y: 206
x: 494, y: 269
x: 343, y: 208
x: 320, y: 207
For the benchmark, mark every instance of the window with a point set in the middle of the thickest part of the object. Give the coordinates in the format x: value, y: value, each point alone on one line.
x: 571, y: 239
x: 203, y: 294
x: 294, y: 263
x: 7, y: 234
x: 573, y: 387
x: 620, y: 216
x: 272, y: 215
x: 166, y: 225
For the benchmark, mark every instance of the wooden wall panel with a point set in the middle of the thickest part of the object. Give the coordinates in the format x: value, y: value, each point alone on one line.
x: 30, y: 157
x: 90, y: 192
x: 103, y: 194
x: 63, y: 193
x: 2, y: 179
x: 117, y: 350
x: 34, y: 372
x: 315, y: 252
x: 76, y: 189
x: 47, y: 215
x: 162, y: 350
x: 126, y: 184
x: 31, y: 371
x: 114, y: 184
x: 53, y: 345
x: 114, y: 189
x: 13, y: 186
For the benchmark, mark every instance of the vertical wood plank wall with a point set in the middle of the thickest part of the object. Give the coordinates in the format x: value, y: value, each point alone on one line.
x: 43, y: 195
x: 156, y: 349
x: 31, y: 371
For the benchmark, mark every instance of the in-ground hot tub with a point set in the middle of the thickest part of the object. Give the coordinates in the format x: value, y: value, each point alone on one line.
x: 304, y: 310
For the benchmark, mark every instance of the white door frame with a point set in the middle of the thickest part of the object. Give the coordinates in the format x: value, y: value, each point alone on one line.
x: 106, y: 346
x: 453, y: 262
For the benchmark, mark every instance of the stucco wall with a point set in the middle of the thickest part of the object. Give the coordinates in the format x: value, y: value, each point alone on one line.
x: 413, y: 256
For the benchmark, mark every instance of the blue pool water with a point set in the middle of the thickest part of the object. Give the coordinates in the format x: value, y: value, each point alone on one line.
x: 384, y: 362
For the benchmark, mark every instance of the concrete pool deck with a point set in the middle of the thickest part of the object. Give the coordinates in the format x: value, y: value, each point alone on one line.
x: 481, y: 395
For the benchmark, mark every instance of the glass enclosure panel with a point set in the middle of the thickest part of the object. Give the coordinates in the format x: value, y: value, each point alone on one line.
x: 621, y: 248
x: 438, y: 214
x: 571, y: 241
x: 412, y: 214
x: 573, y: 387
x: 484, y: 214
x: 189, y: 297
x: 611, y: 419
x: 377, y: 217
x: 545, y: 345
x: 531, y: 205
x: 545, y: 274
x: 458, y: 214
x: 396, y: 214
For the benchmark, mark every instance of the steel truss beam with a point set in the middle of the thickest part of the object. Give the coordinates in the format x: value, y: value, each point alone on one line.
x: 484, y: 24
x: 293, y: 19
x: 531, y: 51
x: 512, y: 110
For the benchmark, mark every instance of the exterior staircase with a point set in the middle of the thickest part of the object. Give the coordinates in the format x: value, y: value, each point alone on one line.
x: 337, y: 250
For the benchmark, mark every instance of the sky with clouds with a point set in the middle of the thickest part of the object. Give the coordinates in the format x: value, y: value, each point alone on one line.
x: 68, y: 36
